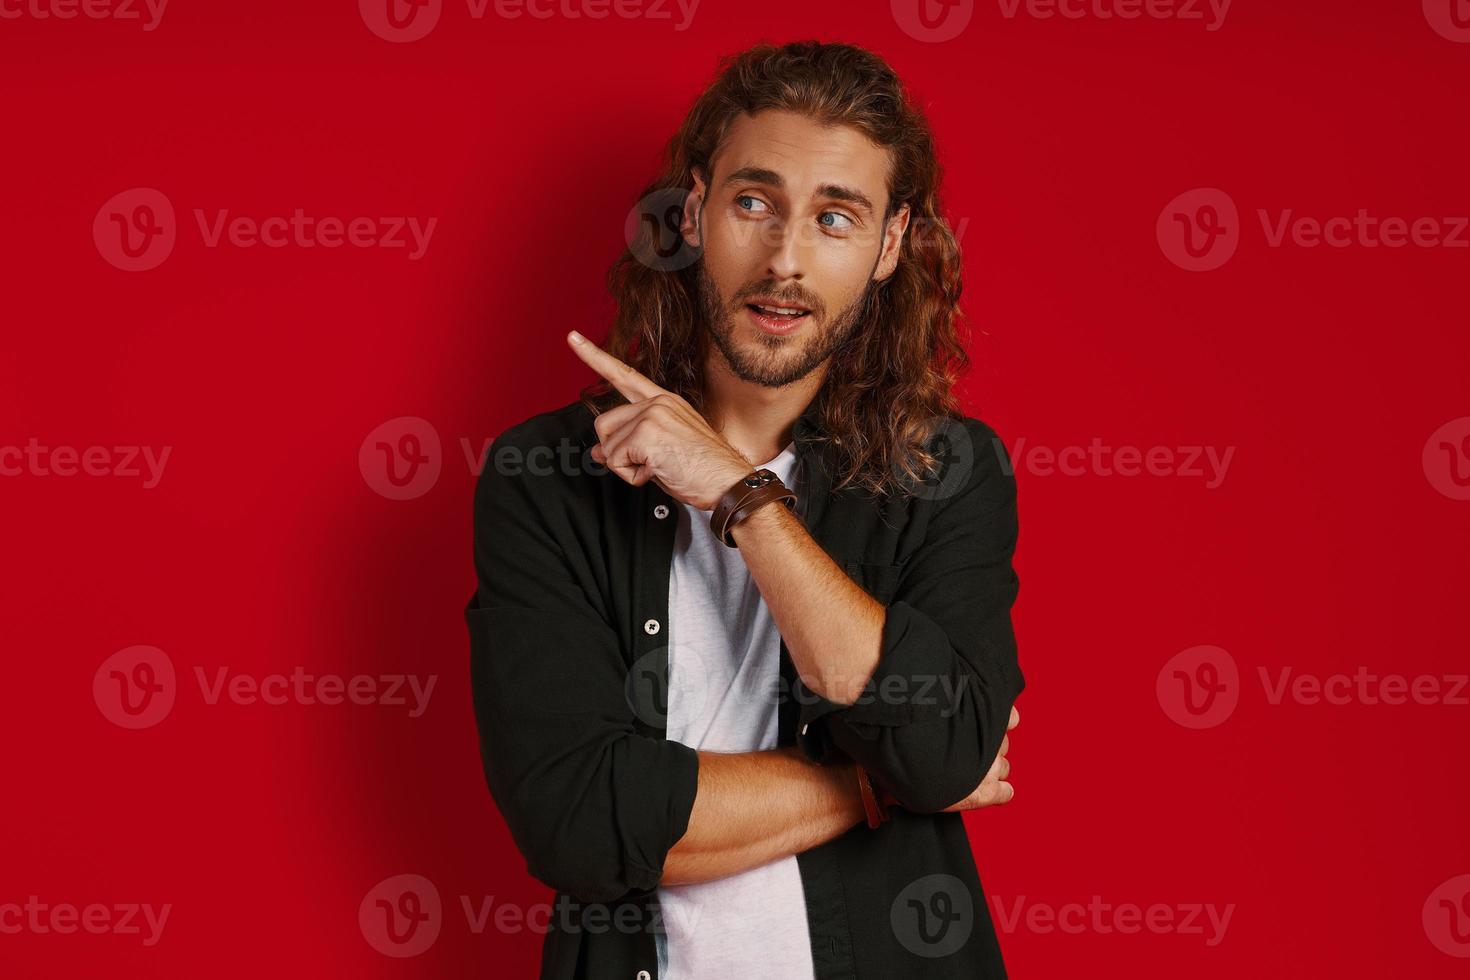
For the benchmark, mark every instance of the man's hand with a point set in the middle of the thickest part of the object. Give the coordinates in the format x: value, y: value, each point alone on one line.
x: 994, y: 789
x: 659, y: 436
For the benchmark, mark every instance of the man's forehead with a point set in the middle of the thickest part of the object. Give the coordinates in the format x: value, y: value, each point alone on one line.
x: 805, y: 153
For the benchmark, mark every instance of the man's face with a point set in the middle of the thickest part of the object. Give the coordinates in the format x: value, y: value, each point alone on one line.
x: 792, y: 228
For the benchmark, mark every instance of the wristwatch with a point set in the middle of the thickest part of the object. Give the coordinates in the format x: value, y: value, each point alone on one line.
x: 742, y: 500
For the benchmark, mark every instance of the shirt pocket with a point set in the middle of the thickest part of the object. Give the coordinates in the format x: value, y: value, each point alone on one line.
x: 878, y: 579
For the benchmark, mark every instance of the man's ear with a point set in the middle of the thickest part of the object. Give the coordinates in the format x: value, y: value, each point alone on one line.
x: 693, y: 204
x: 893, y: 232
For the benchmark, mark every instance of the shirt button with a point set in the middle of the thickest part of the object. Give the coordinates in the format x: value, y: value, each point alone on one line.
x: 650, y: 626
x: 661, y: 511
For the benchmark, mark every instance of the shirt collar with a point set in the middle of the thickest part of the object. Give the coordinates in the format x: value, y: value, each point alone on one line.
x: 808, y: 425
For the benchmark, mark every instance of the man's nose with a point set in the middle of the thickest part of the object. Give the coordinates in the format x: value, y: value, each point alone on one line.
x: 787, y: 258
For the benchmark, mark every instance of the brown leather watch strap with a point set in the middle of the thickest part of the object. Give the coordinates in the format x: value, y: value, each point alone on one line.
x: 744, y: 498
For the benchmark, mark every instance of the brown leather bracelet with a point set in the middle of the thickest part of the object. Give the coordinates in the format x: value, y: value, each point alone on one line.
x: 744, y: 498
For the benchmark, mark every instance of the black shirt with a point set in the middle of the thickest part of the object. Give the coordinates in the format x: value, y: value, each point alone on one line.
x: 569, y: 676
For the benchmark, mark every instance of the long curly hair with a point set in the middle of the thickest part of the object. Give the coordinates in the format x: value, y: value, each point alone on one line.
x: 891, y: 384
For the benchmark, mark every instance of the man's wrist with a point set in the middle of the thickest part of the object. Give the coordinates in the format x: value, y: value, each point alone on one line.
x: 747, y: 497
x: 841, y: 779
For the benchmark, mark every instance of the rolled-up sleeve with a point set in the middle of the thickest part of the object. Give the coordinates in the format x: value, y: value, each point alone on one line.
x: 593, y: 805
x: 931, y: 718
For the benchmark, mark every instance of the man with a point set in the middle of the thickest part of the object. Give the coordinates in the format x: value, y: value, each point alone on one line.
x: 743, y: 652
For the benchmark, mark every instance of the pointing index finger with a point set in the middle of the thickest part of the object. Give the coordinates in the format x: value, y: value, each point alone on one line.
x: 624, y: 377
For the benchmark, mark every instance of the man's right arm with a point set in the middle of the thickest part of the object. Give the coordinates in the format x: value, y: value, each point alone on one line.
x: 756, y: 807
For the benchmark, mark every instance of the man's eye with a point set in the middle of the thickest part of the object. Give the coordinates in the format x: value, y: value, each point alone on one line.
x: 756, y: 205
x: 841, y: 221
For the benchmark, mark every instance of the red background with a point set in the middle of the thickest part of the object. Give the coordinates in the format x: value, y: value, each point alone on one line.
x: 264, y: 548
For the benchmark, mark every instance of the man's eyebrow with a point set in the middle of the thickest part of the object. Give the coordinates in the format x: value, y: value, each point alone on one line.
x: 836, y: 192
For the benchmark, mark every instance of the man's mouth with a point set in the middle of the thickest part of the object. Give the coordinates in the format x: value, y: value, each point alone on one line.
x: 778, y: 314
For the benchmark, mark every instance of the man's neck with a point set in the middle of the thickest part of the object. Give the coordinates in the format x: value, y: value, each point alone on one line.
x: 758, y: 421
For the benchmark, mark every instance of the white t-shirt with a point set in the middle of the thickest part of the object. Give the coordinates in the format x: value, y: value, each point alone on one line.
x: 724, y: 667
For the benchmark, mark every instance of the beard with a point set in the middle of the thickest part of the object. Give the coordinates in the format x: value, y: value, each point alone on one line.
x: 777, y: 361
